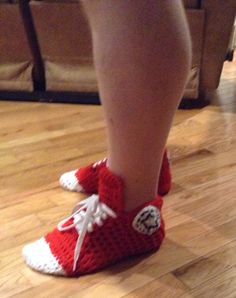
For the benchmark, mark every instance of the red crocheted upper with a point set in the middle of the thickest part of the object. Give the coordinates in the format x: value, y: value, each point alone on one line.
x: 88, y: 177
x: 115, y: 240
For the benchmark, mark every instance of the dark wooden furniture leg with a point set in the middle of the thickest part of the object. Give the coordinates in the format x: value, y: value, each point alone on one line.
x: 38, y: 69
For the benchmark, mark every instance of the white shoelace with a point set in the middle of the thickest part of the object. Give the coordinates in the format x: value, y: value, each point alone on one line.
x: 99, y: 162
x: 91, y: 211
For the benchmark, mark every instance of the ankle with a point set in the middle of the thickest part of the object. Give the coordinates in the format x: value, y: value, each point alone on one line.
x: 136, y: 199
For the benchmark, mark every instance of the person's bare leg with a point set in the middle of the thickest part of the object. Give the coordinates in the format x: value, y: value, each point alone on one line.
x: 142, y: 57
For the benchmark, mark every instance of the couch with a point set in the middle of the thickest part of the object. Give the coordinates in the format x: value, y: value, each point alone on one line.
x: 59, y: 34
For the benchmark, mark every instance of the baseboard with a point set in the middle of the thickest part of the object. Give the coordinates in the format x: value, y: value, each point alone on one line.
x: 51, y: 97
x: 187, y: 104
x: 80, y: 98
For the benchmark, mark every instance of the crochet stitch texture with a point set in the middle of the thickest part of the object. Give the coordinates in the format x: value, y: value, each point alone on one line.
x: 85, y: 179
x: 99, y: 233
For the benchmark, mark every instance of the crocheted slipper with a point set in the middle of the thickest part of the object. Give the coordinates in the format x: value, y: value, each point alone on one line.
x: 98, y: 234
x: 86, y: 179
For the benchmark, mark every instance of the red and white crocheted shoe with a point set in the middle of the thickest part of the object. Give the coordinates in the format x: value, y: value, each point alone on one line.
x: 99, y: 233
x: 85, y: 179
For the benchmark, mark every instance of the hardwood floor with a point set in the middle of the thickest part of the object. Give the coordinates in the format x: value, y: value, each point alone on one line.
x: 198, y: 258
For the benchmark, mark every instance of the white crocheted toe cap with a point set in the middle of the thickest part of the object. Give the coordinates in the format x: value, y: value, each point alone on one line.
x: 39, y: 257
x: 70, y: 182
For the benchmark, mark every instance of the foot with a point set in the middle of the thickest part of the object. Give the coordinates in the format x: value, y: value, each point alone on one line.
x: 86, y: 179
x: 98, y: 234
x: 83, y: 179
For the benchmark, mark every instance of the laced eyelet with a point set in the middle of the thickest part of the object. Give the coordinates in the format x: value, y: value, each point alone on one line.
x: 91, y: 212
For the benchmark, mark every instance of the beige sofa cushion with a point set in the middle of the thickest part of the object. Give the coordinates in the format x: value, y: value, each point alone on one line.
x: 192, y: 86
x: 220, y: 16
x: 16, y: 76
x: 66, y: 46
x: 69, y: 76
x: 196, y: 20
x: 15, y: 58
x: 62, y: 30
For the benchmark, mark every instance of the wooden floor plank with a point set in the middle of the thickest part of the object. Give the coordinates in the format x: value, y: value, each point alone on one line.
x: 208, y: 267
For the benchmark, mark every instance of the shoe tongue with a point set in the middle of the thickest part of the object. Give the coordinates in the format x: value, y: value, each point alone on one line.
x: 111, y: 190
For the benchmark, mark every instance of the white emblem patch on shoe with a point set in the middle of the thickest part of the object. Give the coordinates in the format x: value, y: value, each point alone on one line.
x: 148, y: 220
